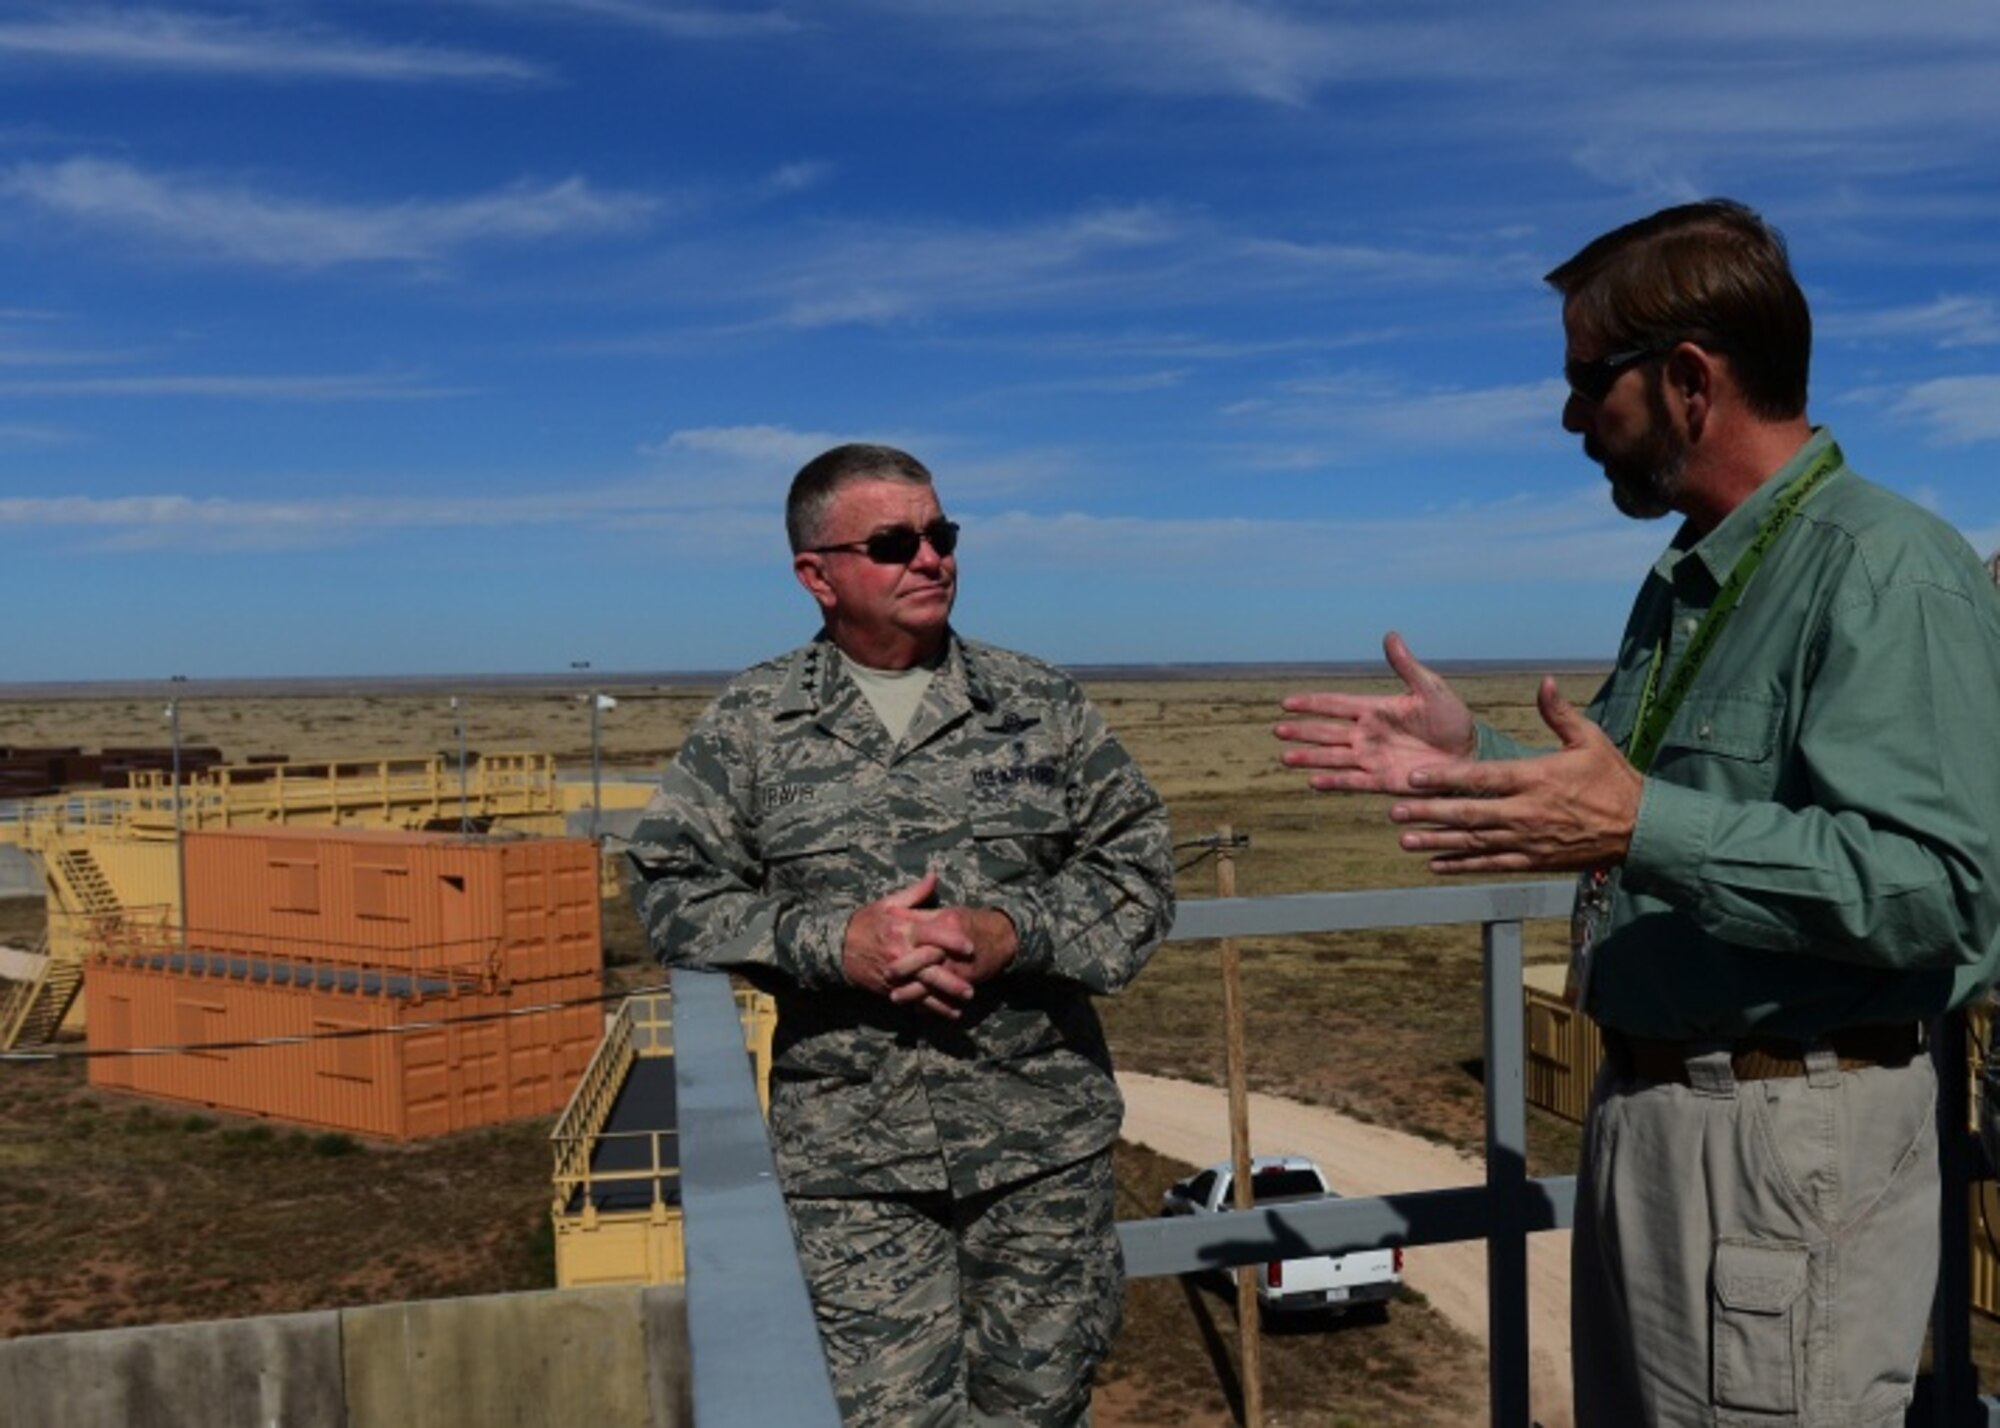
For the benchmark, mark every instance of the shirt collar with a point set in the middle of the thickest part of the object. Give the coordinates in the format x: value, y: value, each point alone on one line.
x: 1719, y: 550
x: 813, y: 679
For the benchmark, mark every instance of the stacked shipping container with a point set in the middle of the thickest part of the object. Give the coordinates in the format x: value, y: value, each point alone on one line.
x: 488, y: 952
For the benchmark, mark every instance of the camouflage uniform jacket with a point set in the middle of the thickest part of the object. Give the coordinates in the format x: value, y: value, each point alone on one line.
x: 788, y: 808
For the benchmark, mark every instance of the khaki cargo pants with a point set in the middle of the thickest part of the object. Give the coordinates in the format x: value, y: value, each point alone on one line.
x: 1756, y: 1254
x: 990, y: 1310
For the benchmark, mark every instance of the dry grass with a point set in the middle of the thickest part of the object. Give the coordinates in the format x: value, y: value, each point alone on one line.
x: 114, y: 1213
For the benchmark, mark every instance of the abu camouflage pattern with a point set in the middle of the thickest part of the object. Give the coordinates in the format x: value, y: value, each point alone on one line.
x: 996, y: 1309
x: 788, y: 808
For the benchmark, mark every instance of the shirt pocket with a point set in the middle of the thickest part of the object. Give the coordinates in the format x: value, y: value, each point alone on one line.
x: 807, y: 846
x: 1724, y: 742
x: 1028, y: 836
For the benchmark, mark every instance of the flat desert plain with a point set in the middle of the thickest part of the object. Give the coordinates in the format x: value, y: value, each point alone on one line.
x: 1383, y: 1027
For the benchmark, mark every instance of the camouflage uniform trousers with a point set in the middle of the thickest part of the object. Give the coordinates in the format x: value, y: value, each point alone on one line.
x: 994, y: 1308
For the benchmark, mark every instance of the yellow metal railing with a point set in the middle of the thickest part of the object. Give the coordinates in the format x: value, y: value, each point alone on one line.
x: 158, y: 946
x: 589, y: 1107
x: 585, y: 1180
x: 494, y: 784
x: 393, y: 791
x: 42, y: 821
x: 637, y: 1244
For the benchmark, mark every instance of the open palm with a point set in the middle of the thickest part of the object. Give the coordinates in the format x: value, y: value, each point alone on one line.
x: 1371, y: 743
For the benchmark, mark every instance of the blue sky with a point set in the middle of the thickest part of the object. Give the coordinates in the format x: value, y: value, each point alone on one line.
x: 405, y: 336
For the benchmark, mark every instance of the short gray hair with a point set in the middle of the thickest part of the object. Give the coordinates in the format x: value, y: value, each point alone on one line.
x: 822, y: 478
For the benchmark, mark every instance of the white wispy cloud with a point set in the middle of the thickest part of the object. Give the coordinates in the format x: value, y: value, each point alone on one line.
x: 175, y: 520
x: 1277, y: 53
x: 1663, y: 116
x: 711, y: 493
x: 1954, y: 320
x: 762, y: 446
x: 337, y: 387
x: 1108, y: 383
x: 239, y: 223
x: 660, y: 17
x: 1953, y: 411
x: 884, y: 273
x: 25, y: 434
x: 1370, y: 412
x: 1167, y: 346
x: 1100, y: 260
x: 796, y: 177
x: 43, y: 357
x: 750, y: 467
x: 198, y: 43
x: 1573, y: 534
x: 1370, y: 261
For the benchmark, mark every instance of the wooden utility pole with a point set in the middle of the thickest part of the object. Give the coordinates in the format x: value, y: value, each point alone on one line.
x: 1247, y: 1322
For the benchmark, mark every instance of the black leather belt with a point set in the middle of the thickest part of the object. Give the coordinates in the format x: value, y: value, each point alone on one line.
x: 1764, y: 1058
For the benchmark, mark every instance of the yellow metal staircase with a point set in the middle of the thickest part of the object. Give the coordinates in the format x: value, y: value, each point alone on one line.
x: 84, y: 904
x: 91, y: 892
x: 32, y: 1010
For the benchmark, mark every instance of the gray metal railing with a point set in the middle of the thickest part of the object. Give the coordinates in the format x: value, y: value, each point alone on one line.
x: 752, y: 1340
x: 752, y: 1343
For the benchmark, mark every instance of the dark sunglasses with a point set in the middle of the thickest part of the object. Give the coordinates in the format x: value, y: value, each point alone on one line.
x: 1592, y: 380
x: 898, y: 545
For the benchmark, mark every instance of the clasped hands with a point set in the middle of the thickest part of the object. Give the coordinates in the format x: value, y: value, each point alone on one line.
x: 932, y: 958
x: 1564, y: 811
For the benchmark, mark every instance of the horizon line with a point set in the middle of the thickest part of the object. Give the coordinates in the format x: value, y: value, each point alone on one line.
x: 584, y: 680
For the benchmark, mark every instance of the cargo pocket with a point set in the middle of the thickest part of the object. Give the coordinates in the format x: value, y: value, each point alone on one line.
x: 1758, y: 1329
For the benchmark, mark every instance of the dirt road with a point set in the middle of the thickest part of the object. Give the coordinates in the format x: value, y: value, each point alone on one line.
x: 1190, y: 1122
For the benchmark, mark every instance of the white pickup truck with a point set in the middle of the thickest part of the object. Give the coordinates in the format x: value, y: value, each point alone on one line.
x: 1318, y: 1282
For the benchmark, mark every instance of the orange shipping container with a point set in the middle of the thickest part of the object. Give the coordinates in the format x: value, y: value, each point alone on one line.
x: 523, y: 910
x: 472, y: 1059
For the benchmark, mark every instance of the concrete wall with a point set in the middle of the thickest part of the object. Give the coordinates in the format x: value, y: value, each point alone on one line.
x: 543, y: 1360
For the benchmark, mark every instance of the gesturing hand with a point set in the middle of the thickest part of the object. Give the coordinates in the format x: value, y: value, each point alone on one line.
x: 1561, y: 812
x: 1371, y: 743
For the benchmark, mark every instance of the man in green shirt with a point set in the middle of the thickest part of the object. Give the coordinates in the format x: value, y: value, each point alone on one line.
x: 1785, y: 813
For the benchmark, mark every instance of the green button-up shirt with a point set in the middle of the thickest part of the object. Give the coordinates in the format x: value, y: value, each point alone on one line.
x: 1818, y: 842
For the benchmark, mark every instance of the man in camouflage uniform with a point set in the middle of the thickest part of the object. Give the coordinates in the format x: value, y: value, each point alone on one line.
x: 933, y: 853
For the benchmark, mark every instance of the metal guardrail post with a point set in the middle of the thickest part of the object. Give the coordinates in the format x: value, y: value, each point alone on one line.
x: 1506, y: 1179
x: 752, y: 1342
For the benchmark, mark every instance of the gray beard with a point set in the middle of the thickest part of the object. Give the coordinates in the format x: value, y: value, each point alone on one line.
x: 1649, y: 492
x: 1649, y: 485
